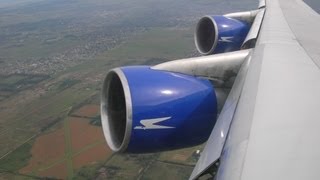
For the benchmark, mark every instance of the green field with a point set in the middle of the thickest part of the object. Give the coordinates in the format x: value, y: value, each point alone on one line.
x: 87, y: 172
x: 157, y: 42
x: 157, y: 169
x: 17, y: 159
x: 10, y: 80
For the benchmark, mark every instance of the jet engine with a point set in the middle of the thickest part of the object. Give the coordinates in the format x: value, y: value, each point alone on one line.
x: 220, y: 34
x: 147, y: 110
x: 175, y: 104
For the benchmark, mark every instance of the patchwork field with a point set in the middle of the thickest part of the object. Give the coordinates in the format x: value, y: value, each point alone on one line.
x: 73, y: 144
x: 70, y: 143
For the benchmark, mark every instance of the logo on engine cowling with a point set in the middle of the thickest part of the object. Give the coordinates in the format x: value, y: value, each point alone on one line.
x: 151, y: 124
x: 226, y: 39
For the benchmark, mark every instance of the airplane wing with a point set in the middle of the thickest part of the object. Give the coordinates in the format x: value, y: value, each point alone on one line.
x: 255, y: 101
x: 274, y: 127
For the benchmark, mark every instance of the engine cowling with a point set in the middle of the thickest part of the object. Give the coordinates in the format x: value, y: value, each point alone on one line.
x: 146, y: 110
x: 220, y: 34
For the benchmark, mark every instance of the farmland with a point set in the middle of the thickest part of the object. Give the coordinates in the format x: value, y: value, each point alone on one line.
x: 70, y: 144
x: 54, y: 56
x: 74, y: 144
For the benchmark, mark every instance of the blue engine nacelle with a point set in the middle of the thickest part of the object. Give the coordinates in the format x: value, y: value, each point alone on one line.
x: 145, y: 110
x: 219, y: 34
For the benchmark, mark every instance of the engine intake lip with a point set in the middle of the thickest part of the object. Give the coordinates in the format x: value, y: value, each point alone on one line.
x: 206, y: 23
x: 116, y: 92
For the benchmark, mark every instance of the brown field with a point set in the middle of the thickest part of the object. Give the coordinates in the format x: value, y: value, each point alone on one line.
x: 97, y: 153
x: 83, y: 134
x: 51, y: 155
x: 90, y: 110
x: 57, y: 171
x: 47, y: 149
